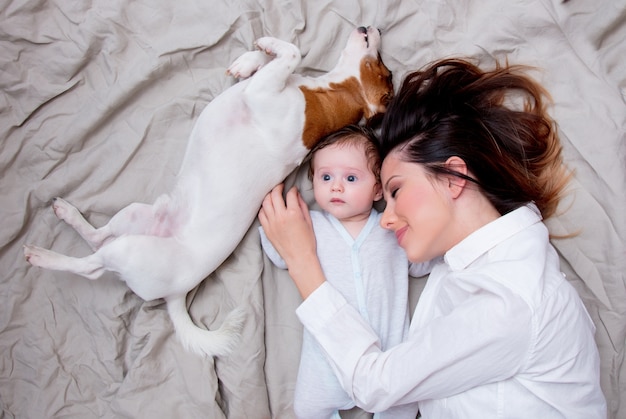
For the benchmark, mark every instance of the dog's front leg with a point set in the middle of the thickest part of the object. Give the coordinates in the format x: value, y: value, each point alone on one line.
x: 248, y: 64
x: 273, y: 76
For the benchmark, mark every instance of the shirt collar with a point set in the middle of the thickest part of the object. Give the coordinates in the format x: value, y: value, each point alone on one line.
x: 490, y: 235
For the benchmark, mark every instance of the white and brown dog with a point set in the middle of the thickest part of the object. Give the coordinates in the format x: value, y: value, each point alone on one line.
x: 246, y: 141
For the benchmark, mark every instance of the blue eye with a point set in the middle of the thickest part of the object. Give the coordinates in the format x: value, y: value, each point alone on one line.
x: 326, y: 177
x: 351, y: 178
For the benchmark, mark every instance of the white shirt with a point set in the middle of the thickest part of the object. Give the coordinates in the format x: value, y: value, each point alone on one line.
x: 498, y: 332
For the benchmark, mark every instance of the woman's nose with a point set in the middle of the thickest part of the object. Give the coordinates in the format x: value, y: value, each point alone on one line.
x: 388, y: 218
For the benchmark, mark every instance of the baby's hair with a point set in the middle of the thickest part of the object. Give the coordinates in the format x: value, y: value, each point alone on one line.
x: 453, y: 108
x: 354, y: 135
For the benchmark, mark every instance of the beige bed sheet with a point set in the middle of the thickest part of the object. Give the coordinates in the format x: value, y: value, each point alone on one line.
x: 97, y: 101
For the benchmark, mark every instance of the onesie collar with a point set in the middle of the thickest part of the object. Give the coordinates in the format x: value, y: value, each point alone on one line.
x: 372, y: 221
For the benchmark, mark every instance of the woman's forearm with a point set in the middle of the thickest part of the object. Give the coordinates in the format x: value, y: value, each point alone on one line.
x: 306, y: 273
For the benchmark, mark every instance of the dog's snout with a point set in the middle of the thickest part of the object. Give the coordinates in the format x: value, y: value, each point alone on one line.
x: 365, y: 30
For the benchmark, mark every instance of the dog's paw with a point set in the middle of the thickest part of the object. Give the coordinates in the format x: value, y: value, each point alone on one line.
x: 247, y: 64
x: 64, y: 210
x: 268, y: 45
x: 276, y: 48
x: 34, y: 255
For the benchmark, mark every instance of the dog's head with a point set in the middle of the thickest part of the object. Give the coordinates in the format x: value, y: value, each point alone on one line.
x: 362, y: 53
x: 359, y: 87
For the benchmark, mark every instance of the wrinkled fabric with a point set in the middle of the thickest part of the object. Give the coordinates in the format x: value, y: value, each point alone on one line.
x: 97, y: 99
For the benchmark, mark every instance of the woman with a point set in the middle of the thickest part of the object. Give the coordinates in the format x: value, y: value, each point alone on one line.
x: 471, y: 164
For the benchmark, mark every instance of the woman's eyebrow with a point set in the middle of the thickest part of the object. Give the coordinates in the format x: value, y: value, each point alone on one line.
x: 386, y: 185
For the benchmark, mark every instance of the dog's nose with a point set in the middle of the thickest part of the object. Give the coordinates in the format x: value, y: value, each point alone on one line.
x: 362, y: 29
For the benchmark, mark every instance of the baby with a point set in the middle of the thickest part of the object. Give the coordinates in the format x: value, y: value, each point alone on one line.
x: 359, y: 258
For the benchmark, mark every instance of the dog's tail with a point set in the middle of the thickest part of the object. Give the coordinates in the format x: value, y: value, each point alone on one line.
x: 218, y: 342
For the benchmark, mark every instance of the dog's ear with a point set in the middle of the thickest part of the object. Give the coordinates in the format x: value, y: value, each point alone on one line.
x: 375, y: 121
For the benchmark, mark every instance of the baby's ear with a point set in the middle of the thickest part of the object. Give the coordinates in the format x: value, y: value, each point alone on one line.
x: 378, y: 192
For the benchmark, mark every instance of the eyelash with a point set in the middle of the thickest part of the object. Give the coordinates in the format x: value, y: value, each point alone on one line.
x: 349, y: 178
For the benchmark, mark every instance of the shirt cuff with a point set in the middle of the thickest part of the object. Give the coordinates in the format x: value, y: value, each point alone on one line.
x: 320, y: 306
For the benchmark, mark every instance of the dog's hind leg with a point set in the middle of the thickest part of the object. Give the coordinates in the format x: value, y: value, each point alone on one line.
x: 134, y: 219
x: 72, y: 216
x: 90, y: 267
x: 153, y: 267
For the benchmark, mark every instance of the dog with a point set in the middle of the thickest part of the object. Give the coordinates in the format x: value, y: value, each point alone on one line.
x: 245, y: 142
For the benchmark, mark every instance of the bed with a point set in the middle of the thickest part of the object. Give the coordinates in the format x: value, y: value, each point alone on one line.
x: 98, y: 98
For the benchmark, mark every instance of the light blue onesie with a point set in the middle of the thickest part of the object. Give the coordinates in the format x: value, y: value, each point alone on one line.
x: 372, y: 274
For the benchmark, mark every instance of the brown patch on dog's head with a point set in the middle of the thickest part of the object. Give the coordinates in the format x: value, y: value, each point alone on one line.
x: 340, y: 104
x: 376, y: 80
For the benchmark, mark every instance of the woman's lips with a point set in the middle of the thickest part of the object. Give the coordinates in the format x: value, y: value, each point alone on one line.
x: 400, y: 234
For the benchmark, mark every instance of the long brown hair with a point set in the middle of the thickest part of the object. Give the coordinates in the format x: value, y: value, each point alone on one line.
x: 495, y: 121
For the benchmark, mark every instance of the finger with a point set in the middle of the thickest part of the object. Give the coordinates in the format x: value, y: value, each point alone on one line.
x: 270, y: 199
x: 277, y: 200
x: 302, y: 203
x: 277, y: 192
x: 266, y: 206
x: 304, y: 208
x: 292, y: 199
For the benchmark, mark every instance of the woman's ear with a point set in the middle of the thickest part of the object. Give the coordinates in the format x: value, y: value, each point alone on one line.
x: 455, y: 184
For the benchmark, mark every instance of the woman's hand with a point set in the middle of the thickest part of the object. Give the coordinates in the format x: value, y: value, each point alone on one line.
x: 287, y: 224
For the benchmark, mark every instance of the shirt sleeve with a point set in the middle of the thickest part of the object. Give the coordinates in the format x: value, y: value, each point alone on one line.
x: 486, y: 339
x: 270, y: 251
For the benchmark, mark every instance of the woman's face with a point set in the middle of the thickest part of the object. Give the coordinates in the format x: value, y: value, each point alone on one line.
x: 418, y: 209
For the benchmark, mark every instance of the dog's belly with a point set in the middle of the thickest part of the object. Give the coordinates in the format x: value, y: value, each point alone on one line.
x: 235, y: 156
x: 221, y: 212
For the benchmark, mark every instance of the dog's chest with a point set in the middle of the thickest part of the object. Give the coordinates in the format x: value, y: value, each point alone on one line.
x: 238, y: 121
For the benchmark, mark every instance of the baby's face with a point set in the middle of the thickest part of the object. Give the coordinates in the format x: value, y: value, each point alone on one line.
x: 343, y: 183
